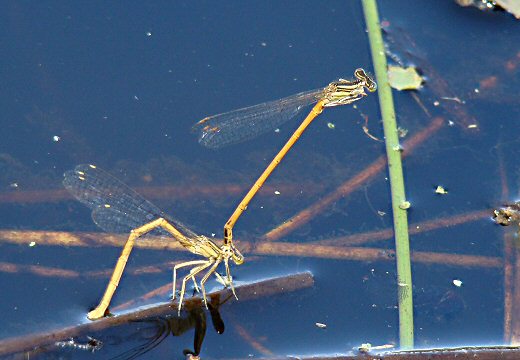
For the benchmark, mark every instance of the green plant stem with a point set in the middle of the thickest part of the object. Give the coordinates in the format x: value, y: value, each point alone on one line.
x: 393, y: 151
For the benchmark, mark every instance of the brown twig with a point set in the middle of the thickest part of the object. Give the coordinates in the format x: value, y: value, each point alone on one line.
x: 157, y: 192
x: 245, y: 292
x: 515, y: 320
x: 84, y: 239
x: 425, y: 226
x: 255, y: 344
x: 351, y: 185
x: 260, y: 248
x: 37, y: 270
x: 509, y: 285
x: 509, y: 258
x: 46, y: 271
x: 494, y: 87
x: 160, y: 291
x: 419, y: 102
x: 371, y: 254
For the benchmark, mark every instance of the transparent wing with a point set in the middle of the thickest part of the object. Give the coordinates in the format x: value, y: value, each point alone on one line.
x: 243, y: 124
x: 115, y: 207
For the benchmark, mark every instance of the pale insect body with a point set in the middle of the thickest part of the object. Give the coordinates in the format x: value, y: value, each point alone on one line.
x: 117, y: 208
x: 242, y: 124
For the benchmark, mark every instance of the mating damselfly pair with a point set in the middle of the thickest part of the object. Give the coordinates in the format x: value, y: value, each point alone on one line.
x: 117, y: 208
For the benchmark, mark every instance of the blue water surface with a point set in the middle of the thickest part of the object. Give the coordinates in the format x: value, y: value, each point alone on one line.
x: 119, y: 85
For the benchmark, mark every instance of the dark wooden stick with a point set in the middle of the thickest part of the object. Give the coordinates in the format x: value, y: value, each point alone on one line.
x: 244, y: 292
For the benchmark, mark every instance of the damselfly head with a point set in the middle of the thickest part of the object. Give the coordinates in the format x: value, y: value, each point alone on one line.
x: 367, y: 81
x: 342, y: 92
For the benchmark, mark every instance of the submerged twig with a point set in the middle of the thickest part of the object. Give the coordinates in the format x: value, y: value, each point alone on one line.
x: 160, y: 291
x: 372, y: 254
x: 510, y: 278
x: 253, y: 248
x: 417, y: 228
x: 157, y: 192
x: 244, y: 334
x: 37, y: 270
x: 509, y: 257
x: 515, y: 319
x: 47, y: 271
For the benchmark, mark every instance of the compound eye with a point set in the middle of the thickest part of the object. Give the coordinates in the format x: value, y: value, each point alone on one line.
x: 360, y: 74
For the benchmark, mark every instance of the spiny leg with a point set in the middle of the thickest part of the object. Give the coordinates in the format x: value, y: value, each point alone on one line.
x: 102, y: 307
x: 220, y: 279
x: 178, y: 266
x: 229, y: 279
x: 205, y: 278
x: 192, y: 274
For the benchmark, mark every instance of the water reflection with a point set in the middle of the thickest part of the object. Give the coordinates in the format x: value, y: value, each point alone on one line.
x: 139, y: 337
x: 155, y: 330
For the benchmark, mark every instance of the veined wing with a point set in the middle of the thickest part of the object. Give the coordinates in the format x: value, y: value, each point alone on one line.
x: 115, y: 207
x: 243, y: 124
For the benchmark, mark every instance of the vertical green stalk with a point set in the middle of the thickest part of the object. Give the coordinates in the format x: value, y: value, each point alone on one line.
x: 393, y: 151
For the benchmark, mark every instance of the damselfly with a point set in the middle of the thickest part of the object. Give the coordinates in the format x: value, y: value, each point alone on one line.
x: 242, y: 124
x: 117, y: 208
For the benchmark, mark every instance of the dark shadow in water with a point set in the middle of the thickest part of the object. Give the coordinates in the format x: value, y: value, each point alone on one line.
x: 148, y: 334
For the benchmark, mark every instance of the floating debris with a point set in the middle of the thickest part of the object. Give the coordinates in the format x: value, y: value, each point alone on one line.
x: 402, y: 132
x: 507, y: 215
x: 441, y: 190
x: 404, y: 78
x: 364, y: 348
x: 405, y: 205
x: 457, y: 282
x: 367, y: 347
x: 321, y: 325
x: 90, y: 344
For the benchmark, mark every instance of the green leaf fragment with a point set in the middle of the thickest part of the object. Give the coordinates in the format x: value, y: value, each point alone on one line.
x: 404, y: 78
